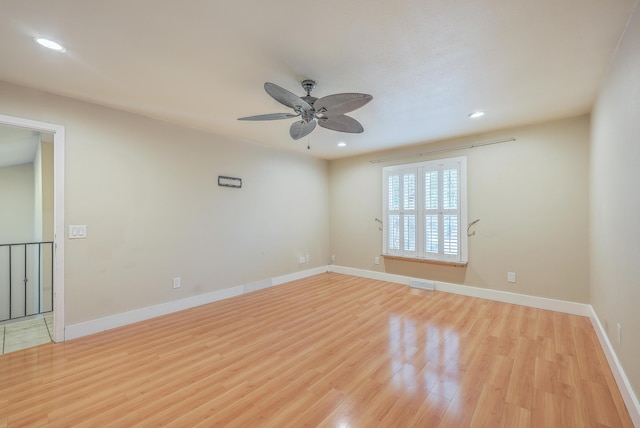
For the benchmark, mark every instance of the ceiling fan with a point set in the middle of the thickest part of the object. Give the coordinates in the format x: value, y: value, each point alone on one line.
x: 328, y: 112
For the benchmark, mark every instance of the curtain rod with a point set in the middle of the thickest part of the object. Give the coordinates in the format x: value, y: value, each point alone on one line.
x: 452, y: 149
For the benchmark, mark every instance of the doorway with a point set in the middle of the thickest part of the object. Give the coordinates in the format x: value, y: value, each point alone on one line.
x: 57, y: 132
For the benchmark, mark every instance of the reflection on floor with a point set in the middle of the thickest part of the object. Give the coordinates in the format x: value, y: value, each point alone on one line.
x: 19, y: 335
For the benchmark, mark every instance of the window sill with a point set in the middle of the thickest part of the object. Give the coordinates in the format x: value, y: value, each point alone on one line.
x: 433, y: 262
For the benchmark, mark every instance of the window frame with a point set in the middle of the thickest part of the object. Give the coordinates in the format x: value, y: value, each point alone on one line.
x: 419, y: 169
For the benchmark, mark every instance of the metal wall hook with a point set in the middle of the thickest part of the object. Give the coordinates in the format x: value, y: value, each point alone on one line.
x: 469, y: 226
x: 379, y: 221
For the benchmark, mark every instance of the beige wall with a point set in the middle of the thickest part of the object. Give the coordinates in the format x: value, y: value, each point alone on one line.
x: 43, y: 225
x: 17, y: 204
x: 148, y: 193
x: 37, y: 194
x: 46, y: 150
x: 615, y: 203
x: 531, y: 197
x: 43, y: 192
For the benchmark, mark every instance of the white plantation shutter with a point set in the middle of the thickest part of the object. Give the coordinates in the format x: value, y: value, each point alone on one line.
x: 393, y: 209
x: 409, y: 211
x: 450, y: 211
x: 425, y: 210
x: 401, y: 212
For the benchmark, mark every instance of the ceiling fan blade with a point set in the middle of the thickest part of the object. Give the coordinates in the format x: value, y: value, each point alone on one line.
x: 270, y: 116
x: 338, y: 104
x: 285, y: 97
x: 341, y: 123
x: 301, y: 129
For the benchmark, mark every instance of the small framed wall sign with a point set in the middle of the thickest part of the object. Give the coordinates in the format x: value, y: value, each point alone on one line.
x: 229, y: 181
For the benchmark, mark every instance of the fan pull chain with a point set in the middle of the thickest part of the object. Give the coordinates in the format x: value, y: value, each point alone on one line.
x: 308, y: 142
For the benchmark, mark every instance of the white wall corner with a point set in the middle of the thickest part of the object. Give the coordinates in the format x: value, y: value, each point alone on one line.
x: 626, y: 390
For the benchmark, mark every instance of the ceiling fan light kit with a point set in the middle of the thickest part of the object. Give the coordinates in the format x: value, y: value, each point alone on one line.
x: 327, y: 112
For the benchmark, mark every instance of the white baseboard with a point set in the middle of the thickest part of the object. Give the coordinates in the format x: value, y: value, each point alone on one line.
x: 482, y: 293
x: 564, y: 306
x: 95, y: 326
x: 113, y: 321
x: 279, y: 280
x: 89, y: 327
x: 86, y: 328
x: 628, y: 395
x: 371, y: 274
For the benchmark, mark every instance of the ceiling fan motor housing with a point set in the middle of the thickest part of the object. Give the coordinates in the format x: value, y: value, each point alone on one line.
x: 308, y: 85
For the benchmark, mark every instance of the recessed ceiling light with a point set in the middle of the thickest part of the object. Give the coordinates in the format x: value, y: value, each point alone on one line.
x: 50, y: 44
x: 342, y: 144
x: 476, y: 114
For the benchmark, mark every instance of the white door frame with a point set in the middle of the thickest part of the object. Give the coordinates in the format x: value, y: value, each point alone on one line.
x: 58, y: 213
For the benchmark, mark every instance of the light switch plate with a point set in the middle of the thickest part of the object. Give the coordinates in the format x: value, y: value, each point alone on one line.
x: 77, y: 231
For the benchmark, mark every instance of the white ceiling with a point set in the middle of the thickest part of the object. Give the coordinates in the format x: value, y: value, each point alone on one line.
x: 427, y: 63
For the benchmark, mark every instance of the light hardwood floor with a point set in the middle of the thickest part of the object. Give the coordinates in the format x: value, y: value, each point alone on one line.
x: 330, y: 350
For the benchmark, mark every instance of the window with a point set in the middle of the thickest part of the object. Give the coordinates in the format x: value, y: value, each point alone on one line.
x: 424, y: 205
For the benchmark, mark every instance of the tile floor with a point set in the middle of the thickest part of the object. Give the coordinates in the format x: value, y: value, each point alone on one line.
x: 19, y: 335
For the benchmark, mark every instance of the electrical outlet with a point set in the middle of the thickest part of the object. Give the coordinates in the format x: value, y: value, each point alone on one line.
x: 619, y: 333
x: 177, y: 283
x: 333, y: 258
x: 302, y: 260
x: 376, y: 260
x: 511, y: 277
x: 307, y: 258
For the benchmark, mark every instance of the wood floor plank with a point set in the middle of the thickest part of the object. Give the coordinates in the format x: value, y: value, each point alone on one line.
x: 515, y: 416
x: 461, y: 409
x: 564, y: 343
x: 490, y: 407
x: 521, y: 385
x: 621, y: 408
x: 329, y: 350
x: 600, y: 405
x: 588, y: 362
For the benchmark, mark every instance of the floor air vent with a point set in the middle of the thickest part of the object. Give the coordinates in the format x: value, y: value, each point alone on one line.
x: 423, y: 284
